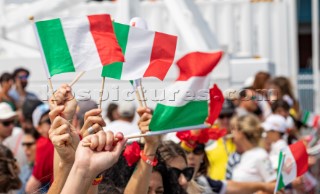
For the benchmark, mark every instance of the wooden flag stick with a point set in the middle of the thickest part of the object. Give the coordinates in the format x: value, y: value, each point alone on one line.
x: 143, y: 97
x: 101, y: 92
x: 77, y: 78
x: 138, y: 97
x: 52, y: 91
x: 153, y: 133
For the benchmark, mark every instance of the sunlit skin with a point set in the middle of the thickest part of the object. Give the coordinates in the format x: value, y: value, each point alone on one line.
x: 6, y: 86
x: 156, y: 184
x: 180, y: 163
x: 248, y: 102
x: 6, y: 131
x: 24, y: 82
x: 30, y: 151
x: 195, y: 160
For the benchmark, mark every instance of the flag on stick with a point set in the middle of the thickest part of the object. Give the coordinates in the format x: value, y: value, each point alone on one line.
x: 147, y: 53
x: 293, y: 165
x: 186, y: 106
x: 77, y: 44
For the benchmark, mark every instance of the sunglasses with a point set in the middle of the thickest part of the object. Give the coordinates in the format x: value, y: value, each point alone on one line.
x: 187, y: 172
x: 45, y: 121
x: 28, y: 144
x: 23, y: 77
x: 7, y: 123
x: 222, y: 116
x: 198, y: 150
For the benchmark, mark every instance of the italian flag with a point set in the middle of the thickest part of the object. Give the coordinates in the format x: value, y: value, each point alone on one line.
x: 77, y: 44
x: 310, y: 119
x: 186, y: 105
x: 147, y: 53
x: 293, y: 162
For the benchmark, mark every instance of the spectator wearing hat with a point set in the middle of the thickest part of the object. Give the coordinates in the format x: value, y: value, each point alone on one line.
x: 275, y: 127
x: 7, y: 119
x: 42, y: 173
x: 218, y: 151
x: 124, y: 123
x: 14, y: 142
x: 18, y: 93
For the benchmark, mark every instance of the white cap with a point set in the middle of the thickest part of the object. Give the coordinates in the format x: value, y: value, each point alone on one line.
x: 139, y: 23
x: 127, y: 109
x: 275, y: 123
x: 38, y: 113
x: 6, y: 111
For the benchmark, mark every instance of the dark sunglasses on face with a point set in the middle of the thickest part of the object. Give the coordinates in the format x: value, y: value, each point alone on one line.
x: 198, y: 150
x: 45, y: 121
x: 23, y: 77
x: 222, y: 116
x: 28, y: 144
x: 7, y: 123
x: 187, y: 172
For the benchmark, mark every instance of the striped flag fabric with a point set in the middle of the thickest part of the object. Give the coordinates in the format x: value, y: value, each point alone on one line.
x: 147, y: 53
x: 310, y: 119
x: 77, y: 43
x: 293, y: 162
x: 186, y: 105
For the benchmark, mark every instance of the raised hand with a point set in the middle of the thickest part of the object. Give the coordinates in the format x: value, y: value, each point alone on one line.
x: 63, y: 136
x: 94, y: 120
x: 143, y: 123
x: 103, y: 152
x: 63, y: 96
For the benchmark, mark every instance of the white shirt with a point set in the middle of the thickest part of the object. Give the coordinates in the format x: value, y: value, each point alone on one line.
x: 254, y: 166
x: 275, y: 151
x: 124, y: 127
x: 14, y: 143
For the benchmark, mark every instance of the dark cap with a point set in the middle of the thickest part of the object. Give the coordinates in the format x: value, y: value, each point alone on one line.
x: 227, y: 107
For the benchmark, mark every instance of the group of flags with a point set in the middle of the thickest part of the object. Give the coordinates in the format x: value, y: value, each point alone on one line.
x: 125, y: 52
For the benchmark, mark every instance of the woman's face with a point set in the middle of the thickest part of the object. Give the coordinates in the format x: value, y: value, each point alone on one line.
x: 238, y: 138
x: 195, y: 160
x: 179, y: 163
x: 29, y: 146
x: 6, y: 85
x: 156, y: 184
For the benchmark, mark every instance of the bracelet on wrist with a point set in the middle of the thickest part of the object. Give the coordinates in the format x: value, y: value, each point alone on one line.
x: 97, y: 180
x: 147, y: 160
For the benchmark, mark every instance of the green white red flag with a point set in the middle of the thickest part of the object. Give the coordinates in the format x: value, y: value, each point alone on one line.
x: 186, y: 106
x: 293, y: 162
x: 147, y: 53
x: 77, y: 44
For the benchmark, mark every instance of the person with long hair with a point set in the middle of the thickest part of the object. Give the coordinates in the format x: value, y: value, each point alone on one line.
x: 9, y: 171
x: 250, y: 163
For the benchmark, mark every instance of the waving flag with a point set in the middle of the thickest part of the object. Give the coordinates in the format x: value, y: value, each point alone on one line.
x: 77, y: 44
x: 293, y: 162
x: 187, y: 107
x: 147, y: 53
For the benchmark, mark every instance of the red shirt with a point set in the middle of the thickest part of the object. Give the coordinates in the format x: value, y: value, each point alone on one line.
x: 43, y: 165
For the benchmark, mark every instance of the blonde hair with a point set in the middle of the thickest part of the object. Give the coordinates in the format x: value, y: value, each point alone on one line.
x: 250, y: 126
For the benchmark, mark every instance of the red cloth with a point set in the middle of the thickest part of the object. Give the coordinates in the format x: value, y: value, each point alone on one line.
x: 43, y: 166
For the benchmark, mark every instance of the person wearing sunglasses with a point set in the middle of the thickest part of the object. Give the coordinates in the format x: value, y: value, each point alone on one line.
x: 7, y: 120
x: 19, y: 93
x: 197, y: 158
x: 29, y: 145
x: 42, y: 173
